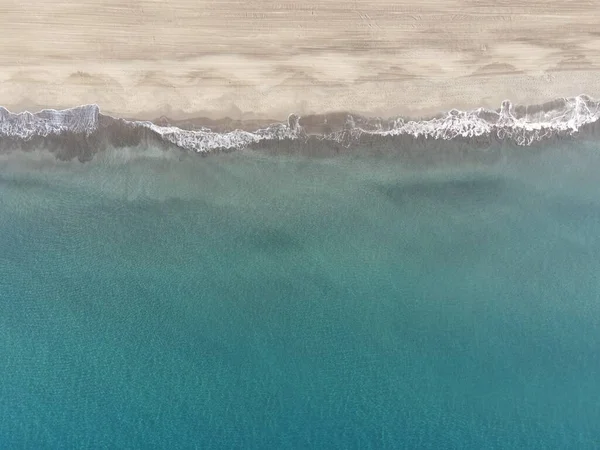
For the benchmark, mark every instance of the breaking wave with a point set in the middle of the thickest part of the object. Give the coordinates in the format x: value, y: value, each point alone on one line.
x: 82, y: 131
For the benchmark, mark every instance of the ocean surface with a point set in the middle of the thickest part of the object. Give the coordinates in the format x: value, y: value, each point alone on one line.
x: 153, y: 298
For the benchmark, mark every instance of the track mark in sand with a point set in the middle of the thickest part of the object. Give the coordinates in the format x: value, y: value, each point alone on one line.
x: 370, y: 22
x: 458, y: 17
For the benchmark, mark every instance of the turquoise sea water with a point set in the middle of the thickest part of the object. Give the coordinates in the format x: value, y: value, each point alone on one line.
x: 251, y: 301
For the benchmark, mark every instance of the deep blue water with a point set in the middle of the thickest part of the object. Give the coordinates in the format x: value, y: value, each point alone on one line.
x: 245, y: 301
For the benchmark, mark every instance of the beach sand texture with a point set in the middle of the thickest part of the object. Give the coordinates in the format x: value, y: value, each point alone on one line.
x: 261, y: 59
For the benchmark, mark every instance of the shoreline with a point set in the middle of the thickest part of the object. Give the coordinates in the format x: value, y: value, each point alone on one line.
x: 83, y: 131
x: 537, y: 113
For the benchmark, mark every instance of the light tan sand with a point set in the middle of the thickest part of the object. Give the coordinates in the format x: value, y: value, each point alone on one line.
x: 266, y: 59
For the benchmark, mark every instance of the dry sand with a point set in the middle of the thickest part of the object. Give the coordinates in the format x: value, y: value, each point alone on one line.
x: 257, y: 59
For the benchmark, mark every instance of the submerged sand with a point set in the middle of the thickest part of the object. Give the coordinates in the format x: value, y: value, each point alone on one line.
x: 261, y: 59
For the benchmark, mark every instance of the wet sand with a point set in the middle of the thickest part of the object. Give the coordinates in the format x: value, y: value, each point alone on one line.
x: 261, y: 60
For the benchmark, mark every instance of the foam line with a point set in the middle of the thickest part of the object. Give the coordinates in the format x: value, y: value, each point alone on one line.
x: 522, y: 125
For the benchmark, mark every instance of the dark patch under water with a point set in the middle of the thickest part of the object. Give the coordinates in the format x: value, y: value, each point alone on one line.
x: 444, y: 191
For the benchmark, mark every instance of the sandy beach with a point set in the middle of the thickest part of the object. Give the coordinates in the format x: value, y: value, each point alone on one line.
x: 261, y: 59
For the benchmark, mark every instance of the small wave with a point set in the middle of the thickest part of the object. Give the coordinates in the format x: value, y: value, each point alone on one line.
x: 76, y: 131
x: 26, y: 125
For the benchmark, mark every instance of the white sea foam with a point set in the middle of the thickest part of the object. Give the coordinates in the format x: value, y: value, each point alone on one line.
x: 205, y: 140
x: 26, y: 125
x: 523, y: 125
x: 524, y: 130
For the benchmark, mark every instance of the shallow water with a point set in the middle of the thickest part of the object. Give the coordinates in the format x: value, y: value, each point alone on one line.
x: 252, y: 301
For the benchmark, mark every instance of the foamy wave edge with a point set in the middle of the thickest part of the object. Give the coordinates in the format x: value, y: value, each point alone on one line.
x: 523, y: 125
